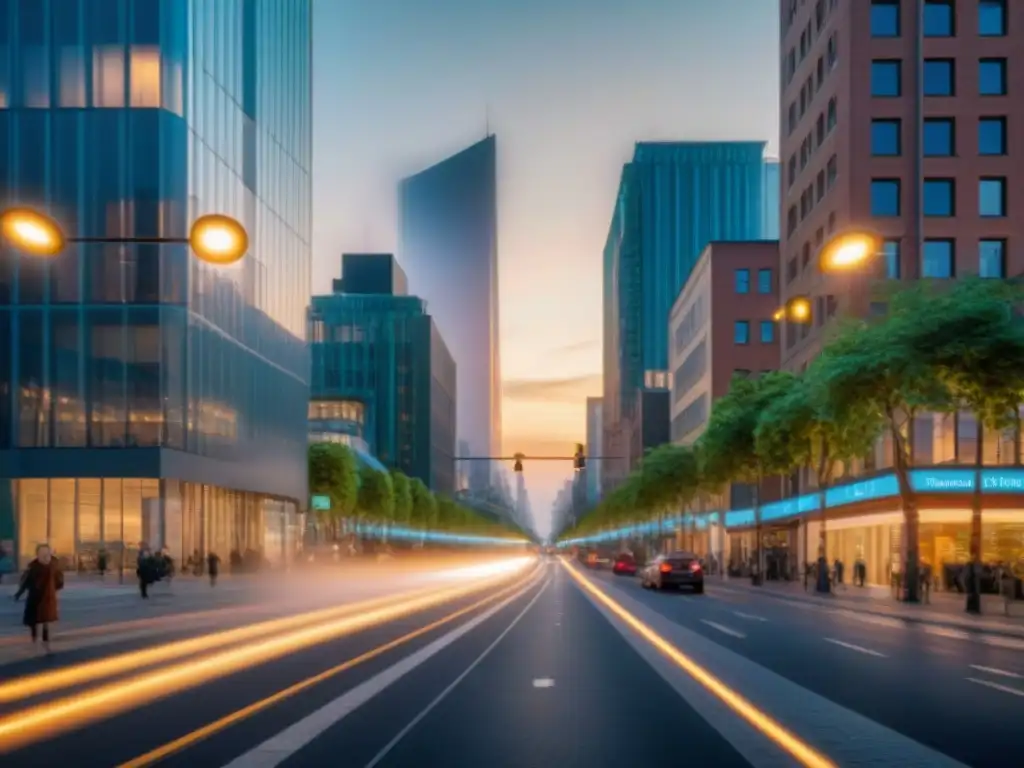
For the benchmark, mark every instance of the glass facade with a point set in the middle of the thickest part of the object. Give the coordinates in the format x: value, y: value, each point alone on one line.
x: 449, y: 234
x: 379, y: 362
x: 131, y: 118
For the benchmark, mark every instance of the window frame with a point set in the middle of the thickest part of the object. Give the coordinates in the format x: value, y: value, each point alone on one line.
x: 1002, y: 242
x: 951, y: 64
x: 887, y: 122
x: 952, y: 258
x: 741, y: 327
x: 951, y: 122
x: 1003, y: 195
x: 1003, y: 10
x: 769, y: 326
x: 950, y: 5
x: 1004, y: 128
x: 898, y: 64
x: 761, y: 272
x: 950, y: 185
x: 871, y: 19
x: 1004, y: 75
x: 899, y: 197
x: 741, y: 281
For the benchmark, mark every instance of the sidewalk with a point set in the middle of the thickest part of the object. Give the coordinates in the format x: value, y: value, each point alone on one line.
x: 945, y: 608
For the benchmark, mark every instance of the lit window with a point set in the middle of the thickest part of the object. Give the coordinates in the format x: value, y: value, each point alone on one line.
x: 36, y: 69
x: 72, y: 77
x: 145, y: 76
x: 108, y: 76
x: 992, y: 198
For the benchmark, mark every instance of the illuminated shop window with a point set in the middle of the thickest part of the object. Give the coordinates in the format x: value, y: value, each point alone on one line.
x: 144, y: 73
x: 108, y: 74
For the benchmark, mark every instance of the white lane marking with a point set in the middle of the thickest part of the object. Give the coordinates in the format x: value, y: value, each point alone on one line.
x: 451, y: 686
x: 749, y: 616
x: 1003, y: 642
x: 543, y: 682
x: 722, y: 628
x: 852, y: 647
x: 868, y: 618
x: 955, y: 634
x: 997, y: 686
x: 995, y: 671
x: 283, y: 745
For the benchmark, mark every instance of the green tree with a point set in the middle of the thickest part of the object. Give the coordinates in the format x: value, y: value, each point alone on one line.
x: 728, y: 447
x: 333, y: 473
x: 402, y: 488
x: 666, y: 481
x: 800, y: 429
x: 879, y: 370
x: 424, y: 505
x: 974, y: 339
x: 376, y: 496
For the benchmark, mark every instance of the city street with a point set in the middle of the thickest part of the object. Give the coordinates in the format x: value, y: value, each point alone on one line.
x: 517, y: 664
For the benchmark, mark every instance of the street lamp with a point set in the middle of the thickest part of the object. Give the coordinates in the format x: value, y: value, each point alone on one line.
x: 214, y: 238
x: 796, y: 310
x: 849, y: 251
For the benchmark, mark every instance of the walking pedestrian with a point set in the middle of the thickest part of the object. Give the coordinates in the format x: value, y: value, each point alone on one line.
x: 42, y: 580
x: 213, y: 567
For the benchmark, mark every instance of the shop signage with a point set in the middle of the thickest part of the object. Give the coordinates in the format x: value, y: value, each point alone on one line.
x: 320, y: 503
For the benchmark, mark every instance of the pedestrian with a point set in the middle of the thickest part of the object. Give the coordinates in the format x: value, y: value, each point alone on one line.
x: 6, y: 563
x: 101, y: 563
x: 42, y: 580
x: 213, y: 567
x: 146, y: 569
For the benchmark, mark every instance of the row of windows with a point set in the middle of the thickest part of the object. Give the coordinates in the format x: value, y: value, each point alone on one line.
x: 939, y: 197
x: 741, y: 331
x: 939, y: 77
x: 807, y: 35
x: 813, y: 195
x: 940, y: 18
x: 939, y: 137
x: 938, y: 258
x: 811, y: 87
x: 764, y: 281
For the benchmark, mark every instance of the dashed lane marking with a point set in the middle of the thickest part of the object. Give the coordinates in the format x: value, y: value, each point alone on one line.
x: 852, y: 647
x: 997, y: 686
x: 723, y: 629
x: 749, y: 616
x: 543, y: 682
x: 995, y: 671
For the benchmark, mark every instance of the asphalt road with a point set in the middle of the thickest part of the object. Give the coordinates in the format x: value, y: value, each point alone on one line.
x: 537, y: 672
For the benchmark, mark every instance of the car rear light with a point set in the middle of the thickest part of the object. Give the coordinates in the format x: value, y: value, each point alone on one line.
x: 666, y: 568
x: 695, y: 567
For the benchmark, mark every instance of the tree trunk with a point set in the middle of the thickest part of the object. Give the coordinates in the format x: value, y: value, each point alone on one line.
x: 911, y: 515
x: 971, y: 584
x: 823, y: 584
x: 758, y: 557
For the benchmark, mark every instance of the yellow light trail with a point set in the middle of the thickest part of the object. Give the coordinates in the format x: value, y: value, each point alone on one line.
x: 208, y: 730
x: 51, y: 718
x: 48, y: 682
x: 801, y: 750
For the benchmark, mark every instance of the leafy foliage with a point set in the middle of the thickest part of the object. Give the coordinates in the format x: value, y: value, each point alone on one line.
x: 402, y: 490
x: 376, y: 495
x: 332, y: 473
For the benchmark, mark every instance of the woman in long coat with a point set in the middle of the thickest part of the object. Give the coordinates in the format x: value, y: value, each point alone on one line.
x: 41, y: 580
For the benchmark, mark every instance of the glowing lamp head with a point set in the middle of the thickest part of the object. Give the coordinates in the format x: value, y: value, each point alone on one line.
x: 32, y: 232
x: 848, y: 252
x: 218, y: 239
x: 779, y: 315
x: 799, y: 310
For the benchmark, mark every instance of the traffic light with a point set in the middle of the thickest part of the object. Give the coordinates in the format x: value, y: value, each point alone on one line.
x: 518, y: 466
x: 579, y: 459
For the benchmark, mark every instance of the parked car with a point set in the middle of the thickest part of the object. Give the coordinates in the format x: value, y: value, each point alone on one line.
x: 679, y: 569
x: 625, y: 565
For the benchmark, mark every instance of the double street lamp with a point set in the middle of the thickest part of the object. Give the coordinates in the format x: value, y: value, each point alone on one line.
x: 214, y: 238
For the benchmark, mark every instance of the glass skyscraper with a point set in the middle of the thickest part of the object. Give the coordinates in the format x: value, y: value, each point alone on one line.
x: 449, y: 232
x: 146, y: 396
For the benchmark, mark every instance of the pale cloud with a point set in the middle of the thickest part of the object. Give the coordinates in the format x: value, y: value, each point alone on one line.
x: 572, y: 389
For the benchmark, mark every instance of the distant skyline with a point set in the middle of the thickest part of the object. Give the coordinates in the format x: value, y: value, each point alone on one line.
x: 568, y: 86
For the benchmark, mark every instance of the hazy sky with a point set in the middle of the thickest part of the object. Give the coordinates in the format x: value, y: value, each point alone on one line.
x: 569, y: 86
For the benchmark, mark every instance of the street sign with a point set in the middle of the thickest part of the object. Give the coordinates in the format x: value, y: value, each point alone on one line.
x: 320, y: 503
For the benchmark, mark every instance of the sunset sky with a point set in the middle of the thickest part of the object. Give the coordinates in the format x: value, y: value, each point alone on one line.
x: 567, y: 86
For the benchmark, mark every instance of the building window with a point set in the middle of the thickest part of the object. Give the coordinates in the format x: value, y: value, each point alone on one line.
x: 992, y: 18
x: 939, y: 77
x: 742, y: 281
x: 992, y: 198
x: 992, y: 136
x: 144, y: 76
x: 885, y: 197
x: 939, y: 137
x: 886, y: 77
x: 767, y: 331
x: 741, y: 332
x: 939, y: 197
x: 885, y: 18
x: 992, y: 77
x: 36, y: 72
x: 832, y: 118
x: 71, y: 73
x: 108, y: 76
x: 939, y: 18
x: 764, y: 281
x: 885, y: 138
x: 891, y: 254
x: 937, y: 259
x: 992, y: 258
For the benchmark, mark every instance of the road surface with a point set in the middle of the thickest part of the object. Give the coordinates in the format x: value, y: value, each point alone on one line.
x: 543, y: 666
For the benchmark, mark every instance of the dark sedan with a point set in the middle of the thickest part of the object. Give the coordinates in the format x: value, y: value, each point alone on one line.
x: 625, y: 565
x: 679, y: 569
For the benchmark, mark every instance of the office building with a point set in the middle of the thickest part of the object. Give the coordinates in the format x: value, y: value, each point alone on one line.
x: 901, y: 129
x: 594, y: 447
x: 673, y: 198
x: 380, y: 364
x: 145, y: 395
x: 772, y: 181
x: 449, y: 247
